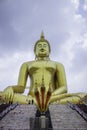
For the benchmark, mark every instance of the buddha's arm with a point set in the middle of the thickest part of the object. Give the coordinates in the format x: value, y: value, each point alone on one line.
x: 9, y: 92
x: 61, y: 84
x: 22, y: 79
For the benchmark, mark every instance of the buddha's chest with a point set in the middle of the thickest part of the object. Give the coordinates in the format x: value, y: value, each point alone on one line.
x: 39, y: 66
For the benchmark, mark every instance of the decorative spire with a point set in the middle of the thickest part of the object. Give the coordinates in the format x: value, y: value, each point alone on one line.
x: 42, y: 35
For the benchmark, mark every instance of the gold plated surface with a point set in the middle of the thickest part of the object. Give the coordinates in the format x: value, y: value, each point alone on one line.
x: 42, y: 72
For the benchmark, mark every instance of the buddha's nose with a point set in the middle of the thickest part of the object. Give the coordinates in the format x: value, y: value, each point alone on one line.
x: 42, y: 49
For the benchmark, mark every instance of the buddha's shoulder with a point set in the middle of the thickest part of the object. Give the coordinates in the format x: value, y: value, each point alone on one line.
x: 56, y: 63
x: 27, y: 63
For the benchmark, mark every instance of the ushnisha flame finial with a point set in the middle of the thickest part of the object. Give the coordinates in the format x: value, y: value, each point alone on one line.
x: 42, y: 35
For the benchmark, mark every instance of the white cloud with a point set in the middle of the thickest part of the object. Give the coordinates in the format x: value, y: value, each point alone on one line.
x: 9, y: 68
x: 77, y: 39
x: 76, y: 3
x: 77, y: 83
x: 85, y: 5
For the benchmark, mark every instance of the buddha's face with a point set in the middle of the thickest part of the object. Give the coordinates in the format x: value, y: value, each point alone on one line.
x: 42, y: 49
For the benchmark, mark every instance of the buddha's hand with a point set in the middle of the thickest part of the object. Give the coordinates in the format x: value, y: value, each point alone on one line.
x: 8, y: 93
x: 30, y: 100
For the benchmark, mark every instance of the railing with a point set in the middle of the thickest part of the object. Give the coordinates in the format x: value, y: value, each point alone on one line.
x: 76, y: 108
x: 8, y: 109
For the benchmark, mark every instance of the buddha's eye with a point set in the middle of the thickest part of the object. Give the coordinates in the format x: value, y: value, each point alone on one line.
x: 39, y: 45
x: 44, y: 45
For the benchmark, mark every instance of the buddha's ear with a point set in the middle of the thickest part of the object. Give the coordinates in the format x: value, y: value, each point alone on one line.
x: 35, y: 57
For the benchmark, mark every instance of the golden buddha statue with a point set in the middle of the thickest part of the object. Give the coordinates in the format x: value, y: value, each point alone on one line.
x: 42, y: 70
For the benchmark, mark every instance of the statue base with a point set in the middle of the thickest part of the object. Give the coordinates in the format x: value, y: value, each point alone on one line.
x: 42, y: 121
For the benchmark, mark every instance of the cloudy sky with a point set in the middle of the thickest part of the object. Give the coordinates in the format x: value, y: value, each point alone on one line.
x: 64, y: 23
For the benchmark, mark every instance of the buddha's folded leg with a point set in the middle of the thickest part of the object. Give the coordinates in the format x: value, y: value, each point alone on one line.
x: 64, y: 98
x: 72, y: 99
x: 59, y: 97
x: 19, y: 98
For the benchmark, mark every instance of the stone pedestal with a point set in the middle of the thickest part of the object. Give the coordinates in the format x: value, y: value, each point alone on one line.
x: 62, y: 117
x: 39, y: 123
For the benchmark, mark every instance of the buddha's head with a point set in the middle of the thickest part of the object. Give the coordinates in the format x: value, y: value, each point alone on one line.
x: 42, y: 47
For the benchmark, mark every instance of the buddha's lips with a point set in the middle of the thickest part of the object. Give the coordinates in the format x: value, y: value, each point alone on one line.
x: 42, y: 50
